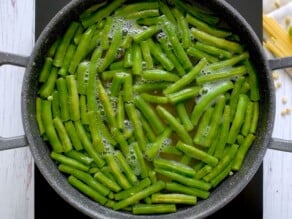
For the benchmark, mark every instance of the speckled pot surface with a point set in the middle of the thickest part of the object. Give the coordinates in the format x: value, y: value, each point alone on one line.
x: 224, y: 193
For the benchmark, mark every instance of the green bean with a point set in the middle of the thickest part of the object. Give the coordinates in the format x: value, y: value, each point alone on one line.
x: 46, y: 116
x: 118, y: 136
x: 119, y: 176
x: 105, y: 100
x: 145, y: 209
x: 46, y: 69
x: 149, y: 21
x: 186, y: 79
x: 73, y: 135
x: 94, y: 42
x: 67, y: 60
x: 214, y: 31
x: 197, y: 154
x: 142, y: 184
x: 140, y: 160
x: 63, y: 47
x: 137, y: 59
x: 169, y: 53
x: 184, y: 117
x: 87, y: 190
x: 154, y: 98
x: 175, y: 124
x: 128, y: 59
x: 120, y: 113
x: 212, y: 50
x: 83, y: 109
x: 159, y: 55
x: 163, y: 7
x: 150, y: 86
x: 238, y: 118
x: 99, y: 15
x: 171, y: 150
x: 243, y: 148
x: 224, y: 131
x: 47, y: 88
x: 174, y: 198
x: 184, y: 180
x: 81, y: 75
x: 134, y: 118
x: 227, y: 63
x: 185, y: 159
x: 255, y: 117
x: 240, y: 139
x: 113, y: 48
x: 81, y: 50
x: 203, y: 172
x: 62, y: 133
x: 88, y: 147
x: 127, y: 42
x: 112, y: 185
x: 215, y: 121
x: 116, y: 85
x: 197, y: 12
x: 69, y: 161
x: 160, y: 75
x: 216, y: 41
x: 128, y: 88
x: 85, y: 178
x: 39, y: 115
x: 152, y: 151
x: 63, y: 99
x: 208, y: 98
x: 183, y: 27
x: 223, y: 163
x: 95, y: 134
x: 79, y: 156
x: 134, y: 7
x: 152, y: 176
x: 221, y: 176
x: 146, y: 34
x: 126, y: 168
x: 235, y: 95
x: 247, y: 121
x: 254, y: 92
x: 195, y: 52
x: 176, y: 187
x: 156, y: 187
x: 104, y: 41
x: 174, y: 166
x: 203, y: 127
x: 78, y: 34
x: 146, y: 55
x: 117, y: 65
x: 73, y: 98
x: 148, y: 130
x: 91, y: 10
x: 142, y: 14
x: 177, y: 47
x: 52, y: 50
x: 55, y: 104
x: 184, y: 94
x: 236, y: 71
x: 105, y: 133
x: 245, y: 87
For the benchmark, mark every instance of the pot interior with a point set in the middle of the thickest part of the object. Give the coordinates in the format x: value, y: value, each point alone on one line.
x: 219, y: 197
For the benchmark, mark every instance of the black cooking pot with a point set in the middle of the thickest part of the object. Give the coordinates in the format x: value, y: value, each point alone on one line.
x: 224, y: 193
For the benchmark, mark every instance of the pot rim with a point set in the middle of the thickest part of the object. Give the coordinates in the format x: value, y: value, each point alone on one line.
x: 47, y: 167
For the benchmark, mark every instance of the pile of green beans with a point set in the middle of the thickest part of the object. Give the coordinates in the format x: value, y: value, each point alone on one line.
x: 147, y: 106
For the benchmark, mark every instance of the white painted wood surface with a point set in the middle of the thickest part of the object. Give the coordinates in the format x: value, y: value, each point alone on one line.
x: 16, y: 166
